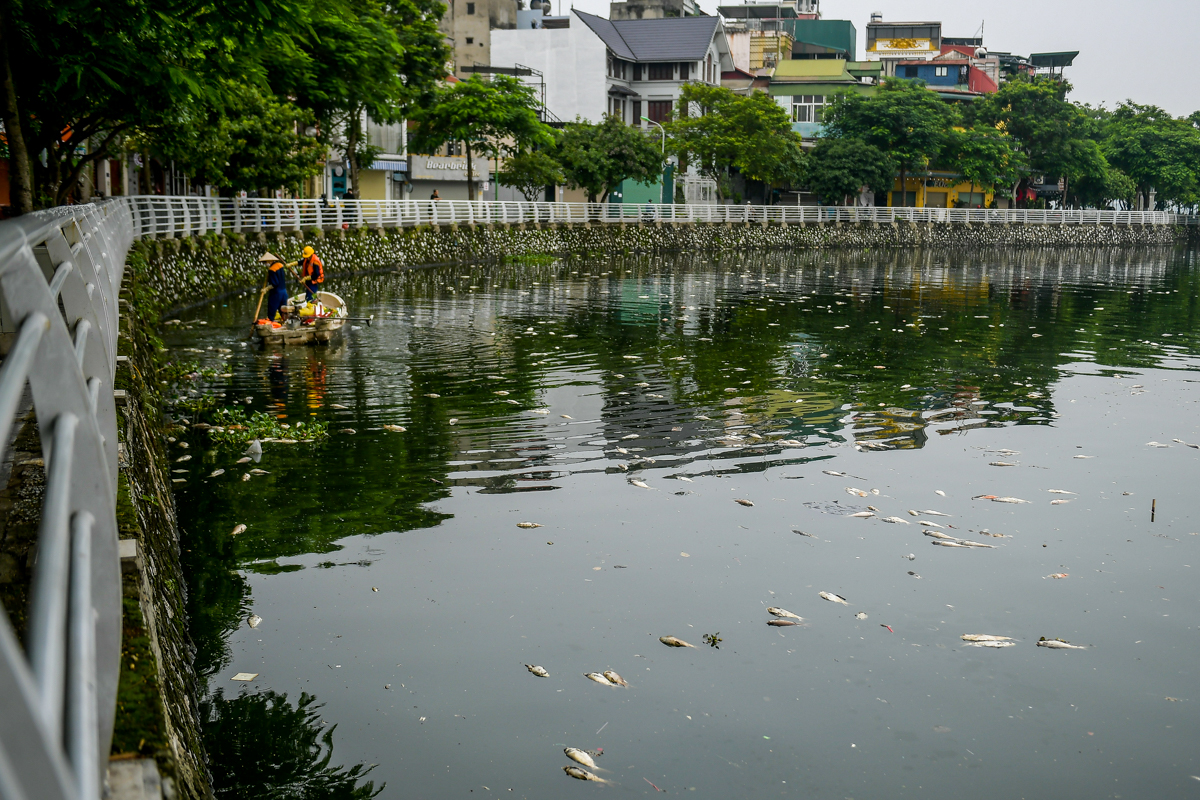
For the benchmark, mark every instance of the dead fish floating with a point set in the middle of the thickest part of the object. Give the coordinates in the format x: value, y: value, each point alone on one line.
x: 616, y: 679
x: 781, y: 623
x: 984, y: 637
x: 671, y: 641
x: 216, y: 472
x: 1059, y: 491
x: 238, y: 529
x: 802, y: 533
x: 935, y: 513
x: 395, y: 428
x: 782, y: 612
x: 996, y: 645
x: 861, y: 615
x: 743, y: 502
x: 996, y: 499
x: 528, y: 525
x: 940, y: 535
x: 1059, y: 644
x: 833, y: 598
x: 1057, y: 575
x: 861, y: 514
x: 598, y: 678
x: 538, y: 671
x: 254, y: 620
x: 583, y: 775
x: 895, y: 520
x: 1002, y: 464
x: 639, y: 484
x: 580, y: 757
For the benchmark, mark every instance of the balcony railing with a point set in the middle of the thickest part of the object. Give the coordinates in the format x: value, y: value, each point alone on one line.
x: 60, y: 273
x: 186, y: 216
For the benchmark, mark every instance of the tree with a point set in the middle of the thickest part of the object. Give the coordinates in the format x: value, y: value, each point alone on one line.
x: 717, y: 129
x: 984, y: 156
x: 1112, y: 185
x: 596, y: 158
x: 530, y: 172
x: 905, y: 120
x: 1156, y: 150
x: 476, y: 111
x: 839, y: 168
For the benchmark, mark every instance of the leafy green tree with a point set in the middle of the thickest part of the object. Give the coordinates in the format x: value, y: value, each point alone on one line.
x: 480, y: 114
x: 1156, y: 150
x: 597, y: 157
x: 904, y: 119
x: 1103, y: 189
x: 716, y: 129
x: 530, y: 172
x: 839, y: 168
x: 984, y: 156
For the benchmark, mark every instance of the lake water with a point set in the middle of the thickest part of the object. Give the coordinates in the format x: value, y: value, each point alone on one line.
x: 400, y: 599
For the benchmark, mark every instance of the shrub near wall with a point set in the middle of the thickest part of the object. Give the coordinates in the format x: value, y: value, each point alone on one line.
x: 188, y: 271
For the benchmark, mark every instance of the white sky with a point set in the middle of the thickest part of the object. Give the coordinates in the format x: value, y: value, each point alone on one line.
x: 1146, y: 50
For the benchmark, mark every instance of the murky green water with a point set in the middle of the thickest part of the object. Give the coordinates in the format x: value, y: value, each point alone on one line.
x: 539, y: 393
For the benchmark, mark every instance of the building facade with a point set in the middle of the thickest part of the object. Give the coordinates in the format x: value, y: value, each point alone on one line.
x: 467, y: 26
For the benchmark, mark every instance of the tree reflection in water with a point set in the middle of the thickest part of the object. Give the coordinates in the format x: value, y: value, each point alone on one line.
x: 261, y: 747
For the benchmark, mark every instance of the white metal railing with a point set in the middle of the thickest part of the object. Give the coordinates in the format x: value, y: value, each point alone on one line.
x: 185, y: 216
x: 60, y: 273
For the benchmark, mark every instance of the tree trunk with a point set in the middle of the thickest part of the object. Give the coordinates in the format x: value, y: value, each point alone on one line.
x: 147, y: 174
x: 19, y: 177
x: 470, y: 173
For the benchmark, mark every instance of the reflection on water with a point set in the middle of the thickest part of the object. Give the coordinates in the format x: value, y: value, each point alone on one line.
x: 548, y: 393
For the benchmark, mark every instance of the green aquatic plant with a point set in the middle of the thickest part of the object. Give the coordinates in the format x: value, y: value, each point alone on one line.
x: 232, y: 426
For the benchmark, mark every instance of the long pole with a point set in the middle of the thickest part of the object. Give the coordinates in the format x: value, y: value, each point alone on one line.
x: 258, y: 308
x: 662, y: 154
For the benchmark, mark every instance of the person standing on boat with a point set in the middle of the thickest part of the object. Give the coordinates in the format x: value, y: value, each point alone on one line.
x: 312, y: 272
x: 277, y: 294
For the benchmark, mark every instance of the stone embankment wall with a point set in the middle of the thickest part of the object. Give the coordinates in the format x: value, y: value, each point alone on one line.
x: 188, y: 271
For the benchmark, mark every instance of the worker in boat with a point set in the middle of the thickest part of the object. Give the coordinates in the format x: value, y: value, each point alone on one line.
x: 277, y: 294
x: 312, y: 272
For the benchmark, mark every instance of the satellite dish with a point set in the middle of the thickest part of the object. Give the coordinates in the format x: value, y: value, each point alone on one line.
x: 981, y: 52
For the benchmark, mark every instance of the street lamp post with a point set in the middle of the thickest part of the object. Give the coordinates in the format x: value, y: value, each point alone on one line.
x: 662, y: 149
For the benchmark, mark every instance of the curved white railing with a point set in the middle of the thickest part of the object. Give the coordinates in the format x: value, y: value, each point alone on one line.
x: 60, y: 273
x: 185, y: 216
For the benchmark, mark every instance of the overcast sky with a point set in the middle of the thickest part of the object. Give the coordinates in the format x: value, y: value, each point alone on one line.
x: 1140, y: 49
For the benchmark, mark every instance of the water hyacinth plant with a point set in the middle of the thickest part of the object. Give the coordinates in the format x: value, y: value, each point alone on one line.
x: 231, y: 426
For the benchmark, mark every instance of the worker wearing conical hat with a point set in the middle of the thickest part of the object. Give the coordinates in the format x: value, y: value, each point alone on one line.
x: 312, y: 272
x: 277, y: 294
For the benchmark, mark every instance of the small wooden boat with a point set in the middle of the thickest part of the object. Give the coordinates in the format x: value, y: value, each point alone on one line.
x: 308, y: 323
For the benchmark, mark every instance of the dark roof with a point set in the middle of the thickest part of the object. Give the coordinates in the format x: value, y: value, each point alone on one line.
x: 672, y: 39
x: 1063, y: 59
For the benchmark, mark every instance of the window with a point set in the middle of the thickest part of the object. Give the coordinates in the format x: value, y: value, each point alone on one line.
x: 910, y: 72
x: 637, y: 113
x: 708, y: 73
x: 616, y: 68
x: 662, y: 72
x: 683, y: 70
x: 637, y: 72
x: 940, y: 72
x: 808, y: 107
x: 616, y: 108
x: 470, y: 40
x: 658, y: 110
x: 470, y: 8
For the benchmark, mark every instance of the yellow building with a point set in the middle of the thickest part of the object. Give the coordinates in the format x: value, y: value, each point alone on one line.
x: 940, y: 190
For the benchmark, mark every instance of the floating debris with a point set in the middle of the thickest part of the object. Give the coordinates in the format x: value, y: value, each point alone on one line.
x: 984, y: 637
x: 254, y: 450
x: 1060, y: 644
x: 639, y: 484
x: 538, y: 671
x: 936, y: 513
x: 598, y: 678
x: 990, y: 644
x: 743, y: 502
x: 1058, y: 576
x: 583, y: 774
x: 782, y: 612
x: 861, y: 615
x: 915, y: 575
x: 1002, y: 464
x: 245, y: 477
x: 713, y: 640
x: 245, y: 676
x: 862, y: 514
x: 802, y: 533
x: 395, y: 428
x: 613, y: 677
x: 1059, y: 491
x: 781, y: 623
x: 938, y: 492
x: 254, y: 620
x: 580, y: 756
x: 528, y: 525
x: 238, y: 529
x: 910, y: 557
x: 895, y: 520
x: 671, y: 641
x: 833, y: 598
x: 996, y: 499
x: 216, y: 472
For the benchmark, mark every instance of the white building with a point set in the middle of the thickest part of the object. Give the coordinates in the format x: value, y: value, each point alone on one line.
x: 627, y: 68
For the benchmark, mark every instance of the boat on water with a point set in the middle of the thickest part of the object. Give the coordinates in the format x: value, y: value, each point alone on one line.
x: 314, y: 322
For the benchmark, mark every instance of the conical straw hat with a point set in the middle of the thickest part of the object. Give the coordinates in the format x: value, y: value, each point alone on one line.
x: 268, y: 258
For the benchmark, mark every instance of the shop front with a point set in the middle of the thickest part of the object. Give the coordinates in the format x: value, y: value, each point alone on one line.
x: 447, y: 175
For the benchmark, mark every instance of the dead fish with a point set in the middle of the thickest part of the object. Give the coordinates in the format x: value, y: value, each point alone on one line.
x: 781, y: 623
x: 501, y: 393
x: 613, y: 677
x: 528, y: 525
x: 984, y: 637
x: 833, y: 598
x: 861, y: 615
x: 895, y: 520
x: 936, y: 513
x: 257, y: 471
x: 938, y: 492
x: 743, y: 502
x: 1059, y: 491
x: 238, y: 529
x: 598, y: 678
x: 684, y: 478
x: 912, y: 513
x: 940, y: 535
x: 996, y: 499
x: 348, y: 431
x: 183, y: 458
x: 834, y: 474
x: 966, y: 543
x: 538, y: 671
x: 583, y: 774
x: 580, y: 756
x: 861, y: 514
x: 802, y: 533
x: 943, y: 543
x: 1058, y: 576
x: 990, y: 644
x: 1083, y: 456
x: 781, y: 612
x: 245, y: 476
x: 1059, y: 644
x: 855, y: 491
x: 671, y: 641
x: 915, y: 575
x: 243, y: 460
x: 928, y: 524
x: 216, y: 472
x: 639, y: 484
x: 434, y: 396
x: 254, y: 620
x: 629, y: 436
x: 1059, y: 502
x: 1001, y: 464
x: 395, y: 428
x: 873, y: 508
x: 910, y: 557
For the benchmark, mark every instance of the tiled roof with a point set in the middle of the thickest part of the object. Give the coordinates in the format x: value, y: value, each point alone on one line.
x: 673, y: 39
